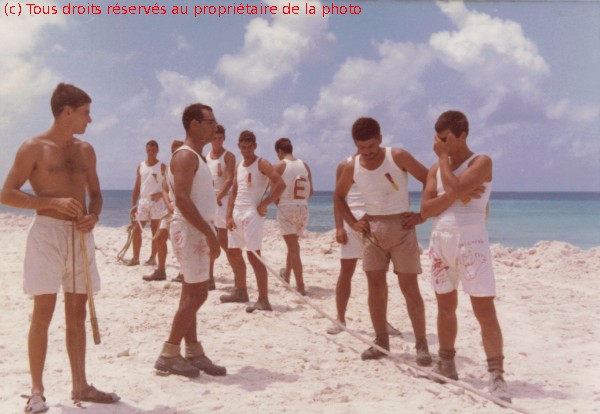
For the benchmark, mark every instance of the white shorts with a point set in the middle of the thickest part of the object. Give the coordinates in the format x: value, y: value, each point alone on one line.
x: 165, y: 222
x: 49, y: 258
x: 220, y: 217
x: 292, y: 219
x: 150, y: 210
x: 462, y: 256
x: 354, y: 248
x: 249, y: 230
x: 191, y: 250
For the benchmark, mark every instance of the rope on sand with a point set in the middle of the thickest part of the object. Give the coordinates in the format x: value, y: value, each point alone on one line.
x: 123, y: 251
x: 133, y: 223
x: 398, y: 358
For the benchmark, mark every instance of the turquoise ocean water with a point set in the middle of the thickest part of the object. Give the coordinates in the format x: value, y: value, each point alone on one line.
x: 517, y: 219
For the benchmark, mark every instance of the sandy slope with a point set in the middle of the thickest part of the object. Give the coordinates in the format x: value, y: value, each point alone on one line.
x: 285, y: 362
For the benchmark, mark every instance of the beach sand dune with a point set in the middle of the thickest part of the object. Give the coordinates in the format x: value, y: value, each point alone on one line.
x: 284, y: 361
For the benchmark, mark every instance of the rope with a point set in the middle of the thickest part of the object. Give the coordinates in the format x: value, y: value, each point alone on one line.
x: 132, y: 225
x: 88, y: 287
x: 123, y: 251
x: 398, y: 358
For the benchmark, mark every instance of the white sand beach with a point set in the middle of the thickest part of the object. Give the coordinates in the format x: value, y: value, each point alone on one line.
x: 285, y: 362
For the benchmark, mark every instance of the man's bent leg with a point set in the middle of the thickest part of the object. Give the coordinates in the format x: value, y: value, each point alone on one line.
x: 154, y: 225
x: 161, y: 248
x: 193, y: 295
x: 136, y: 242
x: 343, y: 287
x: 43, y: 309
x: 293, y: 259
x: 260, y: 271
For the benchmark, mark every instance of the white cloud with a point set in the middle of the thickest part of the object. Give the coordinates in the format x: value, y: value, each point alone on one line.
x: 273, y: 50
x: 178, y: 91
x: 181, y: 43
x: 565, y: 109
x: 361, y: 85
x: 493, y: 54
x: 25, y: 77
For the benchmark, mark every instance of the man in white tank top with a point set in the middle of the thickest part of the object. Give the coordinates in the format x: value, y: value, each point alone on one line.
x: 292, y: 207
x: 222, y: 167
x: 194, y: 243
x: 351, y: 249
x: 381, y: 175
x: 456, y: 195
x: 245, y: 219
x: 148, y: 204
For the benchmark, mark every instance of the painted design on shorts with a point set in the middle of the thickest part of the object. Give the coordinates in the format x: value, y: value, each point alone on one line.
x: 438, y: 269
x: 177, y: 238
x: 391, y: 180
x: 201, y: 249
x: 471, y: 261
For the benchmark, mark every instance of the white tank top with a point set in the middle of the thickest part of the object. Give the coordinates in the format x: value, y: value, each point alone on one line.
x: 297, y: 185
x: 151, y: 179
x: 385, y: 189
x: 217, y: 169
x: 251, y: 185
x: 202, y: 193
x: 461, y: 214
x: 355, y: 200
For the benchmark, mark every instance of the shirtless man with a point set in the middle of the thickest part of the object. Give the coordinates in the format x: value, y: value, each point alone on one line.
x: 381, y: 175
x: 245, y: 220
x: 456, y: 195
x: 61, y: 169
x: 194, y: 243
x: 148, y: 194
x: 222, y: 167
x: 292, y: 207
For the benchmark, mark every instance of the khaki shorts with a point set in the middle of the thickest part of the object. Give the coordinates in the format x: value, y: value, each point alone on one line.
x: 49, y: 258
x: 462, y: 256
x: 249, y: 230
x: 292, y: 219
x: 191, y: 250
x: 389, y: 240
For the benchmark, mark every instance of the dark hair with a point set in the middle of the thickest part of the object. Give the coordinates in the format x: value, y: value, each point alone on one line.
x: 247, y: 136
x: 67, y: 95
x: 455, y: 121
x: 152, y: 143
x: 220, y: 129
x: 193, y: 112
x: 364, y: 129
x: 285, y: 145
x: 175, y: 144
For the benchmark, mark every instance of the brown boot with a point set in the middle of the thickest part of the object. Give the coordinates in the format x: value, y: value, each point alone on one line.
x: 238, y: 296
x: 171, y: 361
x: 383, y: 341
x: 195, y: 354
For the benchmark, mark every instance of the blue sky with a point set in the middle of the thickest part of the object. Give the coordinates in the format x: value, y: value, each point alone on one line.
x: 526, y: 75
